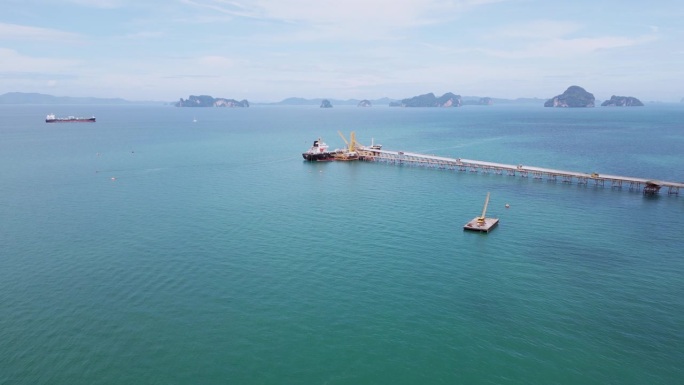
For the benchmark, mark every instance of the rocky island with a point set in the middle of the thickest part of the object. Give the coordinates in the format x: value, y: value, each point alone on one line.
x: 622, y: 101
x: 325, y: 103
x: 574, y: 96
x: 430, y: 100
x: 208, y: 101
x: 365, y: 103
x: 486, y: 101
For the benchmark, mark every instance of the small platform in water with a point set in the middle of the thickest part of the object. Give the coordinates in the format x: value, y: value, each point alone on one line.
x: 482, y: 223
x: 484, y: 226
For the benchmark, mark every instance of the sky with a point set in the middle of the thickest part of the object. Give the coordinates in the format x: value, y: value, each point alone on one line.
x: 268, y: 50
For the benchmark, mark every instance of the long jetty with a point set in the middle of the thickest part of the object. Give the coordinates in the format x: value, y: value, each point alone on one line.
x: 648, y: 186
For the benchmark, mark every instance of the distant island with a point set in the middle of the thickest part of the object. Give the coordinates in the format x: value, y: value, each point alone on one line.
x: 36, y: 98
x: 567, y: 99
x: 574, y: 96
x: 325, y: 103
x: 295, y: 101
x: 465, y: 100
x: 622, y: 101
x: 486, y: 101
x: 208, y: 101
x: 430, y: 100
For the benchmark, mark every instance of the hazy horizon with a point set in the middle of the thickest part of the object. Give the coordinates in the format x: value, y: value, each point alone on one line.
x: 268, y: 50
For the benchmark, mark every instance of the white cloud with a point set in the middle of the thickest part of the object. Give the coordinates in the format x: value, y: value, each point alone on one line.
x: 23, y: 32
x: 555, y: 39
x: 216, y: 62
x: 351, y: 13
x: 145, y: 35
x: 13, y: 61
x: 536, y: 29
x: 556, y: 47
x: 105, y: 4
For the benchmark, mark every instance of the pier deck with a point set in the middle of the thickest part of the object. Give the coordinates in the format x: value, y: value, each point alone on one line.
x: 648, y: 186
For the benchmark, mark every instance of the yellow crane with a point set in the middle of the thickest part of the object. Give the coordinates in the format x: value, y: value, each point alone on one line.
x: 481, y: 219
x: 352, y: 143
x: 482, y: 223
x: 352, y: 150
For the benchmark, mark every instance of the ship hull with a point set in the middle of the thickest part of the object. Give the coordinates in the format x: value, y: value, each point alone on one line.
x: 68, y: 120
x: 318, y: 157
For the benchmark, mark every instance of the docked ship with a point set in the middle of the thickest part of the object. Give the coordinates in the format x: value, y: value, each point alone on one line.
x: 318, y: 152
x: 354, y: 150
x: 51, y: 118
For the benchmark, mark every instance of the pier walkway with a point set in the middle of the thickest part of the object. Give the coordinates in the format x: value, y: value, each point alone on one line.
x: 648, y: 186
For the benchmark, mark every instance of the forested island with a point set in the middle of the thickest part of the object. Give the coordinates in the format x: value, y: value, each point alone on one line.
x: 622, y: 101
x: 208, y: 101
x: 574, y: 96
x: 486, y: 101
x: 430, y: 100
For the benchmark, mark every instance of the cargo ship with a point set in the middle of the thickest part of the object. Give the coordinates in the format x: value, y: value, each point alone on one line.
x: 69, y: 119
x: 318, y: 152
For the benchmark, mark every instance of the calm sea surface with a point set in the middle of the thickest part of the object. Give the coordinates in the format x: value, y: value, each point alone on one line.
x: 148, y: 249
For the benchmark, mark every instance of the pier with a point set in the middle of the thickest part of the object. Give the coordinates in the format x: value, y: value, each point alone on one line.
x: 647, y: 186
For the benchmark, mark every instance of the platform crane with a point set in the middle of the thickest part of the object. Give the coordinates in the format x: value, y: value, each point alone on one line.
x: 352, y: 144
x: 481, y: 219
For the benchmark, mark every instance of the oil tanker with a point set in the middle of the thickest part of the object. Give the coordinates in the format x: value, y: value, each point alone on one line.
x: 69, y: 119
x: 318, y: 152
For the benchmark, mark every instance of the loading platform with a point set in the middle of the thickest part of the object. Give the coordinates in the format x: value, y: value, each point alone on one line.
x: 647, y: 186
x: 482, y: 223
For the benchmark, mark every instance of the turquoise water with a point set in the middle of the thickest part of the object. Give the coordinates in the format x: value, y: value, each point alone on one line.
x: 146, y: 248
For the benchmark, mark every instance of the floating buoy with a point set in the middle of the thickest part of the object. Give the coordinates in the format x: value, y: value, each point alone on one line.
x: 113, y: 178
x: 507, y: 205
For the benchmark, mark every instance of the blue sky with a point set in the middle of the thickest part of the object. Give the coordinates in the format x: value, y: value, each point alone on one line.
x: 267, y: 50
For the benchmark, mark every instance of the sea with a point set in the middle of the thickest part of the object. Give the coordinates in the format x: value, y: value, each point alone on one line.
x: 165, y: 245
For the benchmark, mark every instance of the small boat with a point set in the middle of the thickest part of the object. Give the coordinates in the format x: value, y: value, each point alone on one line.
x: 51, y: 118
x: 318, y: 152
x: 374, y: 146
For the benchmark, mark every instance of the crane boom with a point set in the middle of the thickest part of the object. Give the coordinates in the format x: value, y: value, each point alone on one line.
x: 351, y: 144
x: 343, y: 138
x: 484, y: 210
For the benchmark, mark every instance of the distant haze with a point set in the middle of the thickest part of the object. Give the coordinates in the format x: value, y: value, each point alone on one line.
x: 269, y: 50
